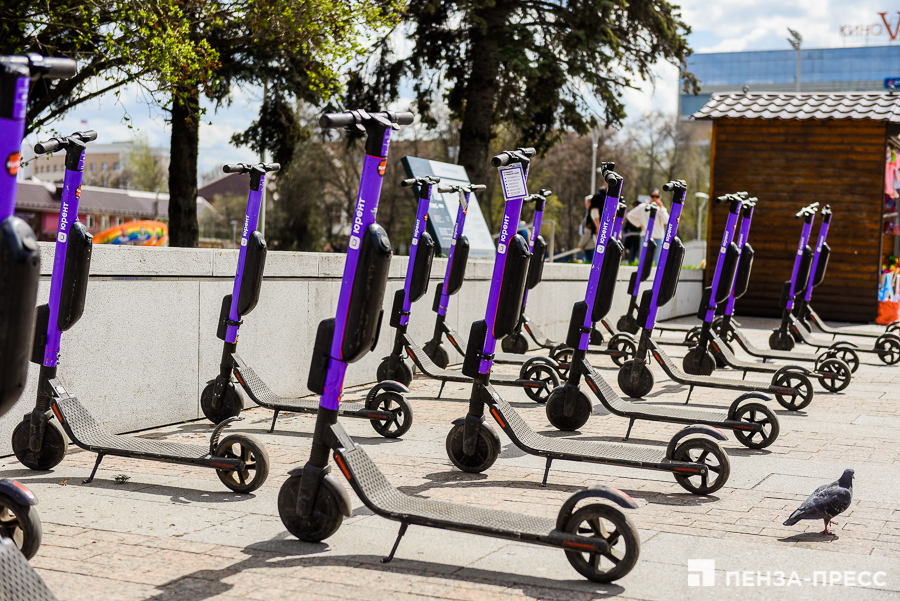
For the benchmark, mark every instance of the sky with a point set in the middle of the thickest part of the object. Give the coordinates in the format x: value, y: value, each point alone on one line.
x: 720, y: 26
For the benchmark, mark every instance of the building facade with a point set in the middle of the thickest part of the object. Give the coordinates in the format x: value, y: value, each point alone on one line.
x: 103, y: 163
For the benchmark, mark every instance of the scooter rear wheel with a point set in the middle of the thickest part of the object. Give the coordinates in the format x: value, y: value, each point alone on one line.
x: 21, y: 524
x: 53, y: 446
x: 515, y: 344
x: 779, y: 341
x: 546, y: 375
x: 256, y: 463
x: 563, y: 355
x: 801, y: 384
x: 487, y: 449
x: 693, y: 336
x: 847, y: 355
x: 324, y: 520
x: 760, y: 414
x: 402, y: 413
x: 610, y: 524
x: 621, y: 349
x: 706, y: 452
x: 699, y: 363
x: 581, y: 410
x: 231, y: 404
x: 839, y: 372
x: 888, y: 349
x: 644, y: 384
x: 438, y: 353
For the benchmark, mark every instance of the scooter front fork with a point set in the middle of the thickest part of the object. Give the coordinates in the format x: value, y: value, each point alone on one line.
x: 226, y: 366
x: 640, y: 358
x: 317, y: 467
x: 41, y: 413
x: 475, y: 416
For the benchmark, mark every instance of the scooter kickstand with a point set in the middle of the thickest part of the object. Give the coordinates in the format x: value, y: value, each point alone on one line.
x: 630, y: 424
x: 94, y: 471
x: 274, y: 417
x: 546, y: 472
x: 688, y: 399
x: 442, y: 388
x: 403, y: 527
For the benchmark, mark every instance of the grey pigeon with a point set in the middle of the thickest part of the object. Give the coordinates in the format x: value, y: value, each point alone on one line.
x: 826, y: 502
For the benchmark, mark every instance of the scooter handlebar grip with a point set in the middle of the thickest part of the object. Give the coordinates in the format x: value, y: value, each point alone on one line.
x: 479, y: 188
x: 234, y: 168
x: 529, y: 152
x: 87, y: 136
x: 336, y: 120
x: 51, y: 145
x: 269, y: 167
x: 409, y: 182
x: 55, y: 68
x: 403, y: 118
x: 500, y: 160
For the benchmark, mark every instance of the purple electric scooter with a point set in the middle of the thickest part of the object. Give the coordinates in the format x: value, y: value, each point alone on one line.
x: 392, y: 417
x: 20, y: 266
x: 39, y: 441
x: 628, y: 322
x: 600, y: 541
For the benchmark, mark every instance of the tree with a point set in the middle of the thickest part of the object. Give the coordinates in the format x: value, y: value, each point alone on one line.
x: 526, y: 64
x: 144, y: 170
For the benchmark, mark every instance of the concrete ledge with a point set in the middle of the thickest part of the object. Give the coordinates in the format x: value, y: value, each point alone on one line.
x: 145, y: 347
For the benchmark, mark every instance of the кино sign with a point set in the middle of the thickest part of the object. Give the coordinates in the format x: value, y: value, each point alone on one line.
x: 885, y: 27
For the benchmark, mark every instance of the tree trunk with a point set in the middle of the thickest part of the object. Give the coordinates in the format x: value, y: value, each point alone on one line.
x: 183, y: 227
x: 481, y: 94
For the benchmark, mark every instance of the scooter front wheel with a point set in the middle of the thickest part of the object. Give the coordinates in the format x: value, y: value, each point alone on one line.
x: 324, y: 519
x: 699, y: 363
x: 545, y: 375
x: 596, y: 337
x: 834, y: 375
x: 756, y: 413
x: 627, y: 323
x: 621, y: 349
x: 515, y: 344
x: 780, y: 341
x: 402, y: 375
x: 610, y: 524
x: 799, y: 382
x: 256, y: 463
x: 402, y: 415
x: 21, y: 524
x: 437, y: 353
x: 53, y: 446
x: 705, y: 452
x: 639, y: 389
x: 581, y: 410
x: 230, y: 405
x: 487, y: 449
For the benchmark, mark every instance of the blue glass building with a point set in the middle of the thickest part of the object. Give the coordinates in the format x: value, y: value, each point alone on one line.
x: 823, y: 70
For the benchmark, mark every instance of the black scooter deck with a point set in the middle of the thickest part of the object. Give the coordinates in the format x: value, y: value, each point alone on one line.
x: 263, y: 396
x: 504, y: 358
x: 538, y: 336
x: 755, y: 351
x: 611, y: 453
x: 820, y: 342
x: 721, y: 349
x: 18, y: 580
x: 819, y: 323
x: 675, y: 374
x: 430, y: 369
x: 657, y: 413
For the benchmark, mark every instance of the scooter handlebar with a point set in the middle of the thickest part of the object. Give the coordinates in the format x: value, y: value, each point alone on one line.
x: 51, y: 145
x: 350, y: 118
x: 53, y: 68
x: 409, y: 182
x: 54, y: 144
x: 247, y: 167
x: 674, y: 185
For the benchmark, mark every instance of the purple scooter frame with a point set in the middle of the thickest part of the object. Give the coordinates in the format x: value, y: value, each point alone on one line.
x: 628, y: 322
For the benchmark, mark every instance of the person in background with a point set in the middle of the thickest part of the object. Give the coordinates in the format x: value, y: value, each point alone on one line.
x: 632, y: 243
x: 641, y: 217
x: 523, y: 231
x: 590, y: 224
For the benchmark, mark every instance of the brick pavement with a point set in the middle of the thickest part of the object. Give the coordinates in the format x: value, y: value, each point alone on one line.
x: 173, y: 532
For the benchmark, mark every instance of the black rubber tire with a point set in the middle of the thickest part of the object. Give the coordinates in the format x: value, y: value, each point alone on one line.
x: 847, y: 355
x: 404, y: 372
x: 698, y: 450
x: 252, y: 452
x: 644, y: 385
x: 888, y: 349
x: 323, y: 522
x: 693, y: 335
x: 563, y: 355
x: 515, y: 344
x: 487, y: 449
x: 798, y: 381
x: 596, y: 338
x: 622, y: 349
x: 840, y: 371
x: 437, y: 352
x: 748, y: 413
x: 540, y: 372
x: 627, y: 323
x: 697, y: 363
x: 779, y: 341
x: 21, y: 524
x: 52, y: 451
x: 603, y: 521
x: 231, y: 405
x: 581, y: 413
x: 394, y: 402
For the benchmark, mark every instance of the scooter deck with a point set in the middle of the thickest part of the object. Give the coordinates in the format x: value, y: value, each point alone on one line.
x: 18, y: 580
x: 430, y: 369
x: 825, y: 328
x: 755, y: 351
x: 85, y: 432
x: 263, y: 396
x: 675, y: 327
x: 612, y: 453
x: 645, y: 411
x: 535, y: 333
x: 818, y: 341
x: 504, y: 358
x: 381, y: 497
x: 671, y: 370
x: 729, y: 358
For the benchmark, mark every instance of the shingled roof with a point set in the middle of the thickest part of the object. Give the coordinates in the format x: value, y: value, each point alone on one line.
x: 831, y: 105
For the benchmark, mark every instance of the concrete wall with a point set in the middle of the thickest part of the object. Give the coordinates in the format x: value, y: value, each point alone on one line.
x: 146, y: 345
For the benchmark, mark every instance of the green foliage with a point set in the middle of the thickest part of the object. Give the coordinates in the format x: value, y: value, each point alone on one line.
x: 143, y: 169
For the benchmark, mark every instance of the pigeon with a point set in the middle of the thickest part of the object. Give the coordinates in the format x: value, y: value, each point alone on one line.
x: 826, y: 502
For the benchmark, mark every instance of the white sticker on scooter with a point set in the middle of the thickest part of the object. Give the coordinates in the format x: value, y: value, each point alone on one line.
x: 354, y: 242
x: 513, y: 180
x: 61, y: 237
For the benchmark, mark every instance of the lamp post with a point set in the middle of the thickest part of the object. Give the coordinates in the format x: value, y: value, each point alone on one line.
x: 595, y: 140
x: 702, y: 200
x: 795, y: 40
